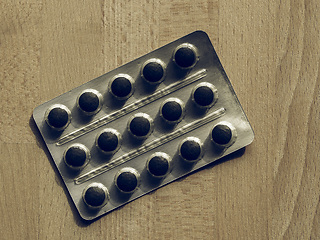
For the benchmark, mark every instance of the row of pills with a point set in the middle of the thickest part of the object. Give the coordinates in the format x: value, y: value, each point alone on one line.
x: 121, y: 86
x: 77, y: 155
x: 204, y: 95
x: 158, y: 165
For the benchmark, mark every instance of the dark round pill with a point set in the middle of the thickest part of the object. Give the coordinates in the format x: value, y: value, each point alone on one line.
x: 190, y: 150
x: 221, y: 134
x: 58, y: 117
x: 171, y: 111
x: 75, y: 156
x: 158, y: 166
x: 127, y: 181
x: 89, y: 102
x: 121, y: 87
x: 95, y: 196
x: 153, y: 72
x: 203, y: 96
x: 108, y: 141
x: 140, y: 126
x: 185, y: 57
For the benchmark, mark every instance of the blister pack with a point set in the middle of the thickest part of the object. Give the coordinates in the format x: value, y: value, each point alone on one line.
x: 143, y: 125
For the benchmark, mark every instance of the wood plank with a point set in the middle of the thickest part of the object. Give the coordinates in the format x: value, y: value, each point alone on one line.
x: 271, y: 53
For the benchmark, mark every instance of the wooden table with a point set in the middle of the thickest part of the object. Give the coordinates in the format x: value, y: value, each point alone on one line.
x: 271, y: 53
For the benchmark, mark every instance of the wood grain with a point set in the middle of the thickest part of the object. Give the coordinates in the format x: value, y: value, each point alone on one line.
x: 271, y: 53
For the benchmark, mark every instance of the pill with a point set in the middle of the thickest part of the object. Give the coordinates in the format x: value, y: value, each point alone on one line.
x: 190, y: 149
x: 108, y: 141
x: 89, y: 101
x: 185, y: 56
x: 171, y: 110
x: 76, y: 156
x: 153, y: 71
x: 223, y: 134
x: 127, y: 180
x: 204, y: 95
x: 121, y: 86
x: 158, y: 165
x: 95, y: 195
x: 140, y: 125
x: 58, y: 117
